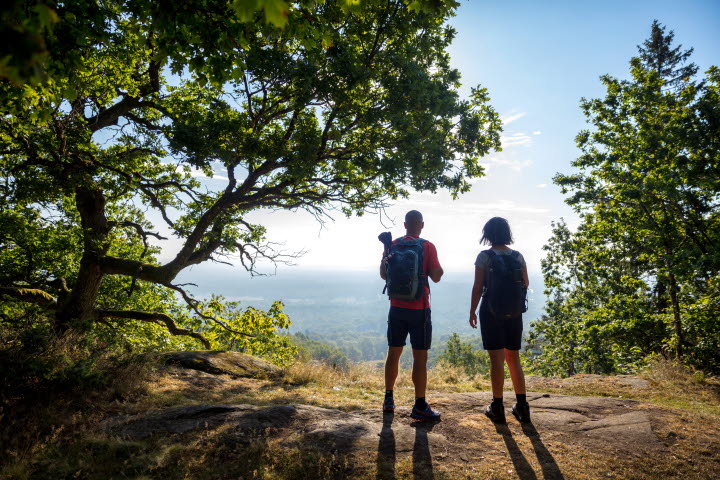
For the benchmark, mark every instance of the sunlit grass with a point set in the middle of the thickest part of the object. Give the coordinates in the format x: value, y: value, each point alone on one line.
x: 214, y: 454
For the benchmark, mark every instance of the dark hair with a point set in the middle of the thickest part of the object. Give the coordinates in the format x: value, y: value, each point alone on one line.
x: 497, y: 232
x: 413, y: 217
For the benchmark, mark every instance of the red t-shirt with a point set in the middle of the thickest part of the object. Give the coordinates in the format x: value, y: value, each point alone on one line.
x: 430, y: 261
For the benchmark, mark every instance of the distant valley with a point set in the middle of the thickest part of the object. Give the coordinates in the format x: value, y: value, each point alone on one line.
x: 348, y: 309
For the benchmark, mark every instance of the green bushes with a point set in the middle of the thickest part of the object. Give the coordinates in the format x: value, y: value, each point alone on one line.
x: 460, y: 354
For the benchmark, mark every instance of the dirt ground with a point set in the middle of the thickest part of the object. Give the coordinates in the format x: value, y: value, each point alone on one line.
x: 217, y: 416
x: 570, y: 436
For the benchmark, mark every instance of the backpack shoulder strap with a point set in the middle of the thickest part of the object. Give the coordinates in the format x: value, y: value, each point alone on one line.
x: 491, y: 255
x: 407, y: 240
x: 515, y: 255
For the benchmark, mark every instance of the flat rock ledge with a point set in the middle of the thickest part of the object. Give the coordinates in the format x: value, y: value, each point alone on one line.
x: 233, y: 364
x: 614, y: 424
x: 633, y: 382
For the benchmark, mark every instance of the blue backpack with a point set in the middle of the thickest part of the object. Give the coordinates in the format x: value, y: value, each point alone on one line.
x: 505, y: 292
x: 405, y: 276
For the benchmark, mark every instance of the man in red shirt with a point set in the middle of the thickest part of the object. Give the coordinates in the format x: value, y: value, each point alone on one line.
x: 412, y: 317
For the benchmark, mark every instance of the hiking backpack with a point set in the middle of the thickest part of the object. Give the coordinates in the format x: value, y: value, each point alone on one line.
x: 505, y: 292
x: 405, y: 277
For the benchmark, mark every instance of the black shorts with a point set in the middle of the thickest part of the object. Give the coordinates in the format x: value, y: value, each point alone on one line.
x: 500, y: 333
x: 417, y: 323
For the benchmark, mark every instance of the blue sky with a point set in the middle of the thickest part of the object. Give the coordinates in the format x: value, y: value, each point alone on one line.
x: 537, y: 59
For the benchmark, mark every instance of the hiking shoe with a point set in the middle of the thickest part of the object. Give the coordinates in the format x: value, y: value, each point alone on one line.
x: 496, y: 414
x: 426, y: 414
x: 521, y: 411
x: 389, y: 404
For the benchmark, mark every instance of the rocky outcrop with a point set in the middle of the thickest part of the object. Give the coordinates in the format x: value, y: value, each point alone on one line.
x: 234, y: 364
x: 593, y: 421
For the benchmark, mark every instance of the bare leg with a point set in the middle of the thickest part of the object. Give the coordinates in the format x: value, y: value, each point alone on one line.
x: 392, y: 363
x: 497, y: 371
x: 512, y: 357
x: 419, y: 372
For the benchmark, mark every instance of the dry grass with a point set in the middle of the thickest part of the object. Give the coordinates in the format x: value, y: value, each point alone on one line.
x: 361, y: 386
x: 682, y: 387
x: 668, y: 385
x: 75, y: 449
x: 57, y: 410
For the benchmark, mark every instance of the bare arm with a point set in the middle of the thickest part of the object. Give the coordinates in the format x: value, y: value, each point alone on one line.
x: 526, y: 280
x: 477, y: 291
x: 383, y: 269
x: 436, y: 274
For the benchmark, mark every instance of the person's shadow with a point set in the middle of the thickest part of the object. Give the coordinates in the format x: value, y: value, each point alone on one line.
x: 522, y: 466
x: 547, y: 462
x: 550, y: 468
x: 422, y: 459
x: 386, y: 449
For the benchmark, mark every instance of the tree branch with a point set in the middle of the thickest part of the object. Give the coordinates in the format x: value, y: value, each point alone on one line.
x: 140, y: 230
x: 153, y: 317
x: 109, y: 116
x: 144, y: 122
x: 193, y: 304
x: 29, y: 295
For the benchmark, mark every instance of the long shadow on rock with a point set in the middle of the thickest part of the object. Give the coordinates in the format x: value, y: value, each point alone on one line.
x: 549, y: 466
x: 386, y: 449
x: 422, y: 459
x: 522, y: 466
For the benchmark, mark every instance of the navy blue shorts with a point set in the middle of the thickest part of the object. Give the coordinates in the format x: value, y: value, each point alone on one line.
x: 500, y: 333
x: 417, y: 323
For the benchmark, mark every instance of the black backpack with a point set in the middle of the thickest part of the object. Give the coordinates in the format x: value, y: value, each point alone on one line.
x: 405, y: 277
x: 505, y: 294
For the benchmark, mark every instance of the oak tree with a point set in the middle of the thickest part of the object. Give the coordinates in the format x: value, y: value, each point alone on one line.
x: 348, y: 106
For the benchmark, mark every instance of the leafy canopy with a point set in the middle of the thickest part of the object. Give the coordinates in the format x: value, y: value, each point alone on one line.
x: 349, y: 106
x: 626, y: 284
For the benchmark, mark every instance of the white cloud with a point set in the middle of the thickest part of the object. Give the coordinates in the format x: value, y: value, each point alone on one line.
x: 423, y: 202
x: 511, y: 117
x: 541, y: 185
x: 247, y: 299
x: 515, y: 139
x: 198, y: 173
x: 484, y: 178
x: 499, y: 206
x: 511, y: 161
x: 537, y: 132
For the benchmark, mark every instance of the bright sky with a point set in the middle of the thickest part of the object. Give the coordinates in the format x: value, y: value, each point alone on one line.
x: 537, y: 59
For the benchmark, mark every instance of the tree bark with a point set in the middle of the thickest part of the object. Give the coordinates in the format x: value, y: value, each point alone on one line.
x: 677, y: 321
x: 674, y: 302
x: 78, y: 308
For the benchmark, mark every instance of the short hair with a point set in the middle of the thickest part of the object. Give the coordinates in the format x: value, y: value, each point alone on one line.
x: 413, y: 217
x: 496, y: 232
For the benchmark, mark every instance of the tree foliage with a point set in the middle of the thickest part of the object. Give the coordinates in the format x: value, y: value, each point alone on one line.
x: 180, y: 119
x: 624, y: 285
x: 461, y: 354
x: 309, y: 349
x: 23, y: 50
